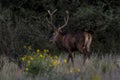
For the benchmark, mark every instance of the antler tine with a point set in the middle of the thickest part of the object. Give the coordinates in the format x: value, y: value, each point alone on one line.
x: 54, y: 11
x: 49, y: 12
x: 51, y: 19
x: 65, y: 20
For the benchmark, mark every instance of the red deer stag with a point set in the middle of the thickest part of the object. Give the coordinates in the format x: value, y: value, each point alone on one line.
x: 70, y: 42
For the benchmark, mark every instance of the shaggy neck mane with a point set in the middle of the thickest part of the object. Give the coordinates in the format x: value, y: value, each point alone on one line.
x: 59, y: 40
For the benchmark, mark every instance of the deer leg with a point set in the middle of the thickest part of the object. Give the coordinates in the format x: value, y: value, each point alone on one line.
x: 74, y: 54
x: 85, y: 55
x: 70, y: 57
x: 89, y: 54
x: 82, y: 50
x: 87, y: 50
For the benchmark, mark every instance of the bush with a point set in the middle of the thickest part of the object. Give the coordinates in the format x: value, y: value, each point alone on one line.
x: 39, y: 62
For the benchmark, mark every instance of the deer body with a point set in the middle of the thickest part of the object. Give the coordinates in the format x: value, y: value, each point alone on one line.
x: 70, y: 41
x: 77, y: 41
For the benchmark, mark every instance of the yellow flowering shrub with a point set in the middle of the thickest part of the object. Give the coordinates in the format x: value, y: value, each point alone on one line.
x: 38, y: 61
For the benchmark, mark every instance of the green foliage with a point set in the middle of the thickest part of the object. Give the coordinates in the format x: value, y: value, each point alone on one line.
x: 23, y: 22
x: 38, y: 66
x: 39, y: 62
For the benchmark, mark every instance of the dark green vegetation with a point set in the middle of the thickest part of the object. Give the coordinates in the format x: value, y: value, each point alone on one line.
x: 23, y: 22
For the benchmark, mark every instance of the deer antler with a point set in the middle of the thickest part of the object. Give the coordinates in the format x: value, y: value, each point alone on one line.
x: 50, y: 22
x: 65, y: 20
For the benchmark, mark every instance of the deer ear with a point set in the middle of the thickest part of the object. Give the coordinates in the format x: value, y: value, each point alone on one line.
x: 61, y: 32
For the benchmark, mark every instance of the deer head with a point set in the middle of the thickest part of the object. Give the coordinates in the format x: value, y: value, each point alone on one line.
x: 57, y: 32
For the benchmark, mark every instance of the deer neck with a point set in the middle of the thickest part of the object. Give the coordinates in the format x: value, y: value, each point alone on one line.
x: 59, y: 39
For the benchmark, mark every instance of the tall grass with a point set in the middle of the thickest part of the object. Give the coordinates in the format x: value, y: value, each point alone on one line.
x: 104, y: 68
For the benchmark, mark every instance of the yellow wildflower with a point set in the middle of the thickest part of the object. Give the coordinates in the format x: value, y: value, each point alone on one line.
x: 95, y: 77
x: 31, y: 58
x: 26, y: 69
x: 78, y: 70
x: 71, y: 70
x: 21, y: 70
x: 28, y: 62
x: 55, y: 63
x: 29, y: 48
x: 56, y: 57
x: 38, y: 50
x: 23, y: 58
x: 51, y: 58
x: 41, y: 56
x: 46, y: 51
x: 65, y: 61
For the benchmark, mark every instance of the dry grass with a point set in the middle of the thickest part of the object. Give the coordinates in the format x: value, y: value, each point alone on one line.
x: 105, y: 68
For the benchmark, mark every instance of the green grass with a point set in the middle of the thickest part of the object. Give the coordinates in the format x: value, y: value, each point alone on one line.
x: 104, y: 68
